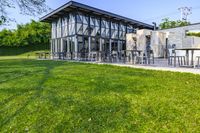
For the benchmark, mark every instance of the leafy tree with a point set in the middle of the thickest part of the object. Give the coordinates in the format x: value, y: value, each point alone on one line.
x: 34, y: 33
x: 197, y: 34
x: 166, y: 23
x: 28, y: 7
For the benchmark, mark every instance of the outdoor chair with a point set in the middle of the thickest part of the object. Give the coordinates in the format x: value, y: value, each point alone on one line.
x: 37, y: 55
x: 114, y: 56
x: 122, y: 56
x: 106, y: 57
x: 55, y: 55
x: 93, y: 56
x: 68, y: 55
x: 174, y: 56
x: 137, y: 57
x: 60, y: 55
x: 148, y: 57
x: 82, y: 55
x: 128, y: 57
x: 198, y: 62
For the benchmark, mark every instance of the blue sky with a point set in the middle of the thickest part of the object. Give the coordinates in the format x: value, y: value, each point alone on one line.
x: 143, y: 10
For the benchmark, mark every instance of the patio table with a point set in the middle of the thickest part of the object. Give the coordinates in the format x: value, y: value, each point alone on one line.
x: 188, y: 63
x: 42, y: 55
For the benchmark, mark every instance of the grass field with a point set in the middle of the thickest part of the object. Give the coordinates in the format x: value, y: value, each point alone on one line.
x: 54, y: 96
x: 23, y: 51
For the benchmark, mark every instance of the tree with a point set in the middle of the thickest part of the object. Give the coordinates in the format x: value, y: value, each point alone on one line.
x: 28, y: 7
x: 166, y: 23
x: 34, y: 33
x: 196, y: 34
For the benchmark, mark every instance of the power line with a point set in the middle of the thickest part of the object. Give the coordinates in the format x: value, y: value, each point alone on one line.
x: 185, y: 12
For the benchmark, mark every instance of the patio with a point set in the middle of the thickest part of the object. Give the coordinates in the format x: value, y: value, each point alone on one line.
x: 161, y: 64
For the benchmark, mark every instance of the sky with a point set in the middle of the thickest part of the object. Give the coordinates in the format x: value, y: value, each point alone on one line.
x: 147, y: 11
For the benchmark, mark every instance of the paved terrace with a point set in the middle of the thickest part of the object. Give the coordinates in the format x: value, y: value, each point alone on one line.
x: 160, y: 64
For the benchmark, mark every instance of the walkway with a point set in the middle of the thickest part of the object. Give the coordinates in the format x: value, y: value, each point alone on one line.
x: 160, y: 64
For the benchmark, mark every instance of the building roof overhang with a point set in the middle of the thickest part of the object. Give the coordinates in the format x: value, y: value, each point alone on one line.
x: 75, y: 6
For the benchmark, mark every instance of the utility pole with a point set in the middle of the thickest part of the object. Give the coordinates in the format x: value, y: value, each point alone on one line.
x: 185, y: 12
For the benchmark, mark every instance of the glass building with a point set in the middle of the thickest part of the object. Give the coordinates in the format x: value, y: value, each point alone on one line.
x: 79, y: 29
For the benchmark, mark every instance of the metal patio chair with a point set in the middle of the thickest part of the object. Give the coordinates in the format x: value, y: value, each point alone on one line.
x: 148, y: 57
x: 115, y: 56
x: 93, y: 56
x: 174, y: 56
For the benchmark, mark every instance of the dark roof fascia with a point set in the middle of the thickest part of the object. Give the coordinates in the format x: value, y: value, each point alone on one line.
x: 93, y: 9
x: 56, y: 11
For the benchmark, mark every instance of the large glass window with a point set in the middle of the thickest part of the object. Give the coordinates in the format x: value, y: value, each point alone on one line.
x: 53, y: 30
x: 65, y: 26
x: 58, y: 31
x: 95, y: 43
x: 53, y: 47
x: 71, y: 44
x: 122, y: 45
x: 105, y: 45
x: 114, y: 30
x: 80, y: 44
x: 83, y: 44
x: 114, y: 45
x: 71, y: 24
x: 95, y: 26
x: 130, y: 29
x: 82, y: 24
x: 105, y: 28
x: 122, y: 32
x: 58, y: 45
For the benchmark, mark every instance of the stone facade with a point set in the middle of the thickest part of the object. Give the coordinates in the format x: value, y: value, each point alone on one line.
x: 178, y: 36
x: 141, y: 39
x: 161, y: 40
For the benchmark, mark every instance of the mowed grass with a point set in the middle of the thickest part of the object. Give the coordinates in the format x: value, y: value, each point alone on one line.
x: 55, y: 96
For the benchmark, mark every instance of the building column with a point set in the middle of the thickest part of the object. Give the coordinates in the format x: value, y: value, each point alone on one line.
x: 100, y: 44
x: 56, y: 48
x: 110, y: 45
x: 51, y: 48
x: 61, y: 45
x: 100, y: 49
x: 76, y: 47
x: 89, y: 44
x: 118, y: 46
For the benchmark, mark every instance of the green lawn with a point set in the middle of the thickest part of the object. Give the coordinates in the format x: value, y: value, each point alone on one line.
x: 50, y: 96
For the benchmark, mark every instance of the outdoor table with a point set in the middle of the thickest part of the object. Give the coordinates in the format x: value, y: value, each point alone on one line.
x: 46, y: 54
x: 41, y: 54
x: 187, y: 55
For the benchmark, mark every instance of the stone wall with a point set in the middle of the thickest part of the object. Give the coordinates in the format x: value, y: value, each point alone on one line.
x: 158, y: 41
x: 178, y: 36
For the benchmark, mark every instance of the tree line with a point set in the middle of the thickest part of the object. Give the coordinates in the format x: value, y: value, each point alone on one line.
x: 33, y: 33
x: 167, y: 23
